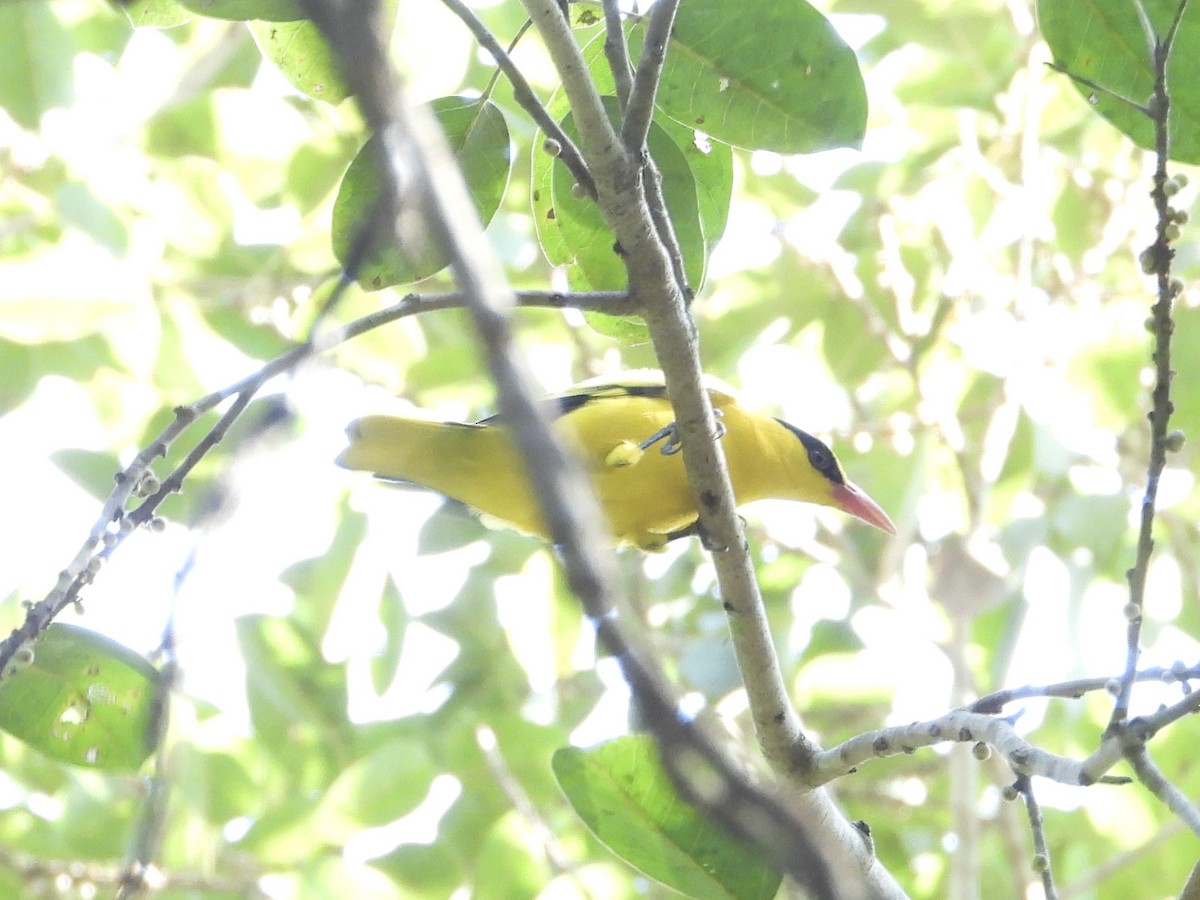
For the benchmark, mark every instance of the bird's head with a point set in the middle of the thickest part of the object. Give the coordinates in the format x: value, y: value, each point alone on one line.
x: 819, y: 478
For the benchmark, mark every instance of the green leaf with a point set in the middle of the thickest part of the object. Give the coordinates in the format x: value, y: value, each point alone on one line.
x: 393, y: 616
x: 621, y: 792
x: 765, y: 76
x: 546, y: 168
x: 427, y: 870
x: 304, y: 57
x: 1095, y: 521
x: 382, y: 786
x: 711, y: 164
x: 284, y: 834
x: 35, y: 61
x: 154, y: 13
x: 187, y: 128
x: 588, y: 237
x: 314, y: 170
x: 92, y: 470
x: 78, y: 206
x: 18, y: 375
x: 851, y: 350
x: 1104, y: 42
x: 478, y: 138
x: 697, y: 187
x: 245, y: 10
x: 318, y: 581
x: 297, y: 699
x: 82, y: 698
x: 451, y: 526
x: 626, y: 329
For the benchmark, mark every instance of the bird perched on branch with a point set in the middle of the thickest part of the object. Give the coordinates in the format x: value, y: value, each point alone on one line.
x: 623, y: 428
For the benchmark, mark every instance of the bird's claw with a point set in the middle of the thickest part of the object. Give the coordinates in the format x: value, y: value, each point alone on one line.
x: 670, y: 436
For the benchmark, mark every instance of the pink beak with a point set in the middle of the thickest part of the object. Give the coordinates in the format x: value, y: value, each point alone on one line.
x: 850, y: 499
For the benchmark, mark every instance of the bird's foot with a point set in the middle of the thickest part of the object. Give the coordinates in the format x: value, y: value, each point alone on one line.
x: 670, y: 436
x: 708, y: 541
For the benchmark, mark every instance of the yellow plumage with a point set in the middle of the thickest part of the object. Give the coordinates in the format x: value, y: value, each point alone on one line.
x: 611, y: 423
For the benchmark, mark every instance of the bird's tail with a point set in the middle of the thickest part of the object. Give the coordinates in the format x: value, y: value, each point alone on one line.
x: 475, y: 464
x: 401, y: 448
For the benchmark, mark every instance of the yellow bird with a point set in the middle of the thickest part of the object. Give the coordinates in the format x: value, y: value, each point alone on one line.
x: 623, y: 430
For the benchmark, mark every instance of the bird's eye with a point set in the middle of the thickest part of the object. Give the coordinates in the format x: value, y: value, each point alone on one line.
x: 820, y: 458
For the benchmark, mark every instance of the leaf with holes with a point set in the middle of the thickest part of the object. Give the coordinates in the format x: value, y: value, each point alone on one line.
x: 765, y: 76
x: 82, y: 698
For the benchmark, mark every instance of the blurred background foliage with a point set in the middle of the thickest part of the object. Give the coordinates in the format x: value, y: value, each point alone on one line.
x: 374, y: 682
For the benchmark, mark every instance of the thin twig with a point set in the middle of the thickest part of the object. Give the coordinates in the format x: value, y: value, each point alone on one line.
x: 1149, y: 774
x: 1037, y: 827
x: 524, y: 95
x: 639, y: 111
x: 1191, y: 888
x: 1152, y: 723
x: 66, y: 874
x: 1160, y: 254
x: 1076, y: 688
x: 635, y: 129
x: 136, y: 878
x: 663, y: 226
x: 616, y: 50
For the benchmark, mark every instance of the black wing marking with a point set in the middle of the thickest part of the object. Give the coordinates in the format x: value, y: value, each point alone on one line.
x: 568, y: 403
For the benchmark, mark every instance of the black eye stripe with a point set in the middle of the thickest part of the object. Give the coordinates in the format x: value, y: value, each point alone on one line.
x: 819, y: 455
